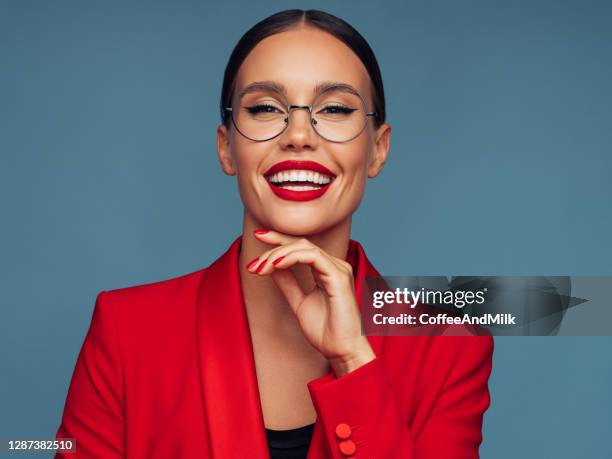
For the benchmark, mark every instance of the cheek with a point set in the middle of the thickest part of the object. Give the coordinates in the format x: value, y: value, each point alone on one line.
x: 355, y: 164
x: 352, y: 161
x: 248, y: 158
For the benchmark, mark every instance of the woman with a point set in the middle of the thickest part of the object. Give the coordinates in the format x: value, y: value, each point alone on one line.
x: 261, y: 354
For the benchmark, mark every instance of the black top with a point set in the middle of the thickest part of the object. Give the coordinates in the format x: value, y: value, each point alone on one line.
x: 289, y: 444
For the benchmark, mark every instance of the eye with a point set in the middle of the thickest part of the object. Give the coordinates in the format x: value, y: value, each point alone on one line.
x: 262, y: 108
x: 336, y: 109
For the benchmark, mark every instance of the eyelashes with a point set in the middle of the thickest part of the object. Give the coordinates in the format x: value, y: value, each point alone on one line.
x: 262, y: 108
x: 330, y: 109
x: 337, y: 109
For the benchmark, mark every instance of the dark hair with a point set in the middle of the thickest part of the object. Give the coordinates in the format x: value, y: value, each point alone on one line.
x: 285, y: 20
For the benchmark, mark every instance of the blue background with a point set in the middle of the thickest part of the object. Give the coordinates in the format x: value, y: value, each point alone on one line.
x: 500, y: 164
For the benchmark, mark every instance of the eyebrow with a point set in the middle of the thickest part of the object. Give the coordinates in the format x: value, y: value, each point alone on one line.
x: 280, y: 88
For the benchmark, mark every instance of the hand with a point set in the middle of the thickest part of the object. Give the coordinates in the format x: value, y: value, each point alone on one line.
x: 328, y: 314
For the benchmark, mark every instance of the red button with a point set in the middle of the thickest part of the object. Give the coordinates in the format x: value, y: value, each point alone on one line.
x: 343, y: 431
x: 347, y: 447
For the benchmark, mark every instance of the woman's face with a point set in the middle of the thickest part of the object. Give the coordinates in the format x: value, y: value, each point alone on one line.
x: 298, y: 60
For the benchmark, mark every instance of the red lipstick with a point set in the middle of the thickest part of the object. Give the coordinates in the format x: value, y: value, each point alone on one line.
x: 299, y: 165
x: 310, y: 174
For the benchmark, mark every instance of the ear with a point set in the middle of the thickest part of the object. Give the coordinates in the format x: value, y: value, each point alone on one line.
x: 381, y: 150
x: 224, y: 151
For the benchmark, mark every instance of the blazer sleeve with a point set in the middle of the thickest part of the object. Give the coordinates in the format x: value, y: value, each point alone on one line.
x: 362, y: 418
x: 94, y: 409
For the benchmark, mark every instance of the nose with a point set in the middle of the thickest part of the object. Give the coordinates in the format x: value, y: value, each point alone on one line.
x: 300, y: 134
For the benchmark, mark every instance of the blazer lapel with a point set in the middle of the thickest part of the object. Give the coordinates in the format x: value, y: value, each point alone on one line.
x: 361, y: 269
x: 227, y: 366
x: 228, y: 378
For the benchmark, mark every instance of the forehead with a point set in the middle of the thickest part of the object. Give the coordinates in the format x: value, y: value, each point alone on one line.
x: 300, y: 59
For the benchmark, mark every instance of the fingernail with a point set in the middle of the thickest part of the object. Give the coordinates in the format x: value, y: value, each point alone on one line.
x: 250, y: 265
x: 260, y: 267
x: 260, y: 231
x: 278, y: 260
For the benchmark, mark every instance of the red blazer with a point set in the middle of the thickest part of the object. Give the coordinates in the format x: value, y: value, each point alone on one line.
x: 167, y: 371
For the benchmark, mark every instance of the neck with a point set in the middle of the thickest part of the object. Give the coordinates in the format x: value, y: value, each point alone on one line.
x: 266, y: 306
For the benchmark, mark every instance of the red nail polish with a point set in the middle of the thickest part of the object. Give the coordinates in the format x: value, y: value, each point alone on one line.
x: 277, y: 261
x: 259, y: 231
x: 250, y: 265
x: 260, y: 267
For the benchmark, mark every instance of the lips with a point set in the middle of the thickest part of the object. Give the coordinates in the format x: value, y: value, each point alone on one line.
x: 299, y: 180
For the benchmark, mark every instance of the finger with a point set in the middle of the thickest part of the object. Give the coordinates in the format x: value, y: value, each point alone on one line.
x: 343, y: 265
x: 287, y: 283
x: 274, y: 237
x: 326, y: 270
x: 261, y: 265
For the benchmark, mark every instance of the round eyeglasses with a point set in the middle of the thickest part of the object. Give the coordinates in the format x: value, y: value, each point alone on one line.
x: 337, y: 114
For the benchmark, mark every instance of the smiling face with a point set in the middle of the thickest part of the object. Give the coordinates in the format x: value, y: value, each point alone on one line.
x: 299, y: 183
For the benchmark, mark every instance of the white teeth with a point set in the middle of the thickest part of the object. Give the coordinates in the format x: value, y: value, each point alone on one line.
x: 300, y: 176
x: 299, y: 188
x: 320, y: 179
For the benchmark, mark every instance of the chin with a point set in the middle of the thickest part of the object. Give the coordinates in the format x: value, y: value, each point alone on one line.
x: 304, y: 223
x: 299, y: 228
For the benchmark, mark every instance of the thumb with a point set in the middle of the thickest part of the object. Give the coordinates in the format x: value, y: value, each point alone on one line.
x: 287, y: 283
